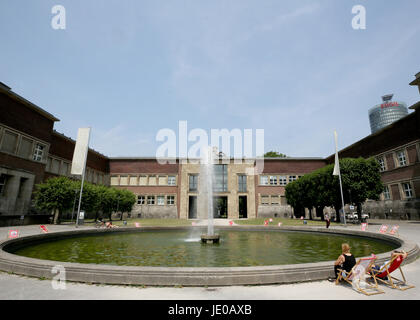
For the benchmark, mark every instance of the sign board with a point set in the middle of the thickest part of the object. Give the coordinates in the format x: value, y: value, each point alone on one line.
x: 351, y: 207
x: 82, y: 215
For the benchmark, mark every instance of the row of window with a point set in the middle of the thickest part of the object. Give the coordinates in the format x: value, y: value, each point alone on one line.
x: 159, y: 200
x: 400, y: 160
x: 20, y: 145
x: 143, y: 180
x: 63, y: 168
x: 277, y: 180
x: 220, y: 183
x: 406, y: 188
x: 273, y: 200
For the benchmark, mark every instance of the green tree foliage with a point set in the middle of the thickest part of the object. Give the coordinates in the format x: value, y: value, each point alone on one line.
x: 274, y: 154
x: 55, y: 195
x: 360, y: 178
x: 58, y: 195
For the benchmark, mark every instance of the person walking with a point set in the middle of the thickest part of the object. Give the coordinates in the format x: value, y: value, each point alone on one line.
x: 327, y: 219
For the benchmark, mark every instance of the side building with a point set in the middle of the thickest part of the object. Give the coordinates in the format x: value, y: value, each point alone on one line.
x: 396, y: 147
x: 31, y: 151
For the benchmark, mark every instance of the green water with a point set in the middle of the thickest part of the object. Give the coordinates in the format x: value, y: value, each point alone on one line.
x: 180, y: 248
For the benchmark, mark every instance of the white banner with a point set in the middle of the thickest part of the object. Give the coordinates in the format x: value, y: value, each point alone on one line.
x: 80, y: 151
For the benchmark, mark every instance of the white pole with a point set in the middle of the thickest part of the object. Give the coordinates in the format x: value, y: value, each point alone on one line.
x: 342, y: 198
x: 339, y: 174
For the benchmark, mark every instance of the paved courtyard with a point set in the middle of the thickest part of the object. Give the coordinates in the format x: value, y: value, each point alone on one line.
x: 20, y: 287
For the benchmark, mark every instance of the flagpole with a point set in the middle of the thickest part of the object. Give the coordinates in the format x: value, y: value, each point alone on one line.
x: 337, y: 168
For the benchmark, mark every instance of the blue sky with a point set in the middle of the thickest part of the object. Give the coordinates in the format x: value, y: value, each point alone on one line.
x: 296, y: 69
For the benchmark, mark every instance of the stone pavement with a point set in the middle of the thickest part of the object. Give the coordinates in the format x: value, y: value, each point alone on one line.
x: 20, y: 287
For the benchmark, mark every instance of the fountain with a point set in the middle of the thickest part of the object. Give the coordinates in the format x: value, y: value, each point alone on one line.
x: 208, y: 175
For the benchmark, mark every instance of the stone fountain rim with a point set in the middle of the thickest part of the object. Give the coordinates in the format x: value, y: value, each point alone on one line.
x: 186, y: 276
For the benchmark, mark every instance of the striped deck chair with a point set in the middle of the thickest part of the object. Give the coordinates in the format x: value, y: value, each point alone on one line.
x: 362, y: 267
x: 384, y: 274
x: 394, y: 230
x: 383, y: 228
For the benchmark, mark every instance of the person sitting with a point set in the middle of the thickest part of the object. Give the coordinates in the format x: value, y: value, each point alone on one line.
x: 394, y: 254
x: 109, y: 225
x: 345, y: 261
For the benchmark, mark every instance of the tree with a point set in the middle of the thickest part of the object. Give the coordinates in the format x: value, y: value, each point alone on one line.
x: 55, y: 195
x: 360, y: 178
x: 274, y: 154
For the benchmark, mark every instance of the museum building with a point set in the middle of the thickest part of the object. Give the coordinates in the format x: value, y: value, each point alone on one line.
x: 31, y: 151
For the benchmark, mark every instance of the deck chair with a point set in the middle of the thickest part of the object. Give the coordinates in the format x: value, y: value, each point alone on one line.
x: 362, y: 267
x: 364, y: 226
x: 394, y: 230
x: 383, y: 228
x: 384, y: 274
x: 43, y: 228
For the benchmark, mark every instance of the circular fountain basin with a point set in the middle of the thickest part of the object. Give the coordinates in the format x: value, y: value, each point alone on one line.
x: 173, y: 256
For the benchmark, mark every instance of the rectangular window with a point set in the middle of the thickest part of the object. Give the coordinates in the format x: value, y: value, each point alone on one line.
x: 123, y: 180
x: 381, y: 162
x: 387, y: 195
x: 150, y: 200
x: 64, y: 168
x: 3, y: 180
x: 152, y: 180
x: 55, y: 166
x: 282, y: 180
x: 141, y: 200
x: 161, y: 200
x: 133, y: 180
x: 265, y: 200
x: 143, y: 180
x: 408, y: 192
x: 22, y: 187
x: 401, y: 158
x: 292, y: 178
x: 242, y: 183
x: 220, y: 178
x: 9, y: 142
x: 264, y: 180
x: 275, y: 200
x: 114, y: 181
x: 193, y: 182
x: 273, y: 180
x: 25, y: 148
x: 171, y: 180
x: 162, y: 181
x: 39, y: 152
x: 170, y: 200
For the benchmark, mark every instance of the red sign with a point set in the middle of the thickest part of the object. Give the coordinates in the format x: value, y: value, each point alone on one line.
x: 13, y: 234
x: 389, y: 104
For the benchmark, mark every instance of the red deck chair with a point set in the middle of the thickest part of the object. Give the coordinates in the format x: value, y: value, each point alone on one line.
x: 384, y: 274
x: 43, y: 228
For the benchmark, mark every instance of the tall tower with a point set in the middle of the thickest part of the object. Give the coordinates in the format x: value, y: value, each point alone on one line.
x: 386, y: 113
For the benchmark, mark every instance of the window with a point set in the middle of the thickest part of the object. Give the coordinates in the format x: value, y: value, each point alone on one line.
x: 55, y: 166
x: 275, y: 200
x: 114, y: 180
x: 38, y: 152
x: 242, y: 183
x: 265, y: 199
x: 64, y: 168
x: 3, y: 180
x: 161, y: 200
x: 381, y: 162
x: 22, y: 187
x: 171, y: 180
x: 408, y: 192
x: 401, y: 158
x: 25, y: 148
x: 123, y: 180
x: 264, y: 180
x: 143, y: 180
x: 273, y: 180
x: 387, y: 195
x: 170, y: 200
x: 193, y: 181
x: 133, y: 180
x: 152, y: 180
x: 141, y: 200
x: 9, y: 142
x: 282, y: 180
x: 292, y: 178
x: 162, y: 181
x: 220, y: 178
x: 150, y: 200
